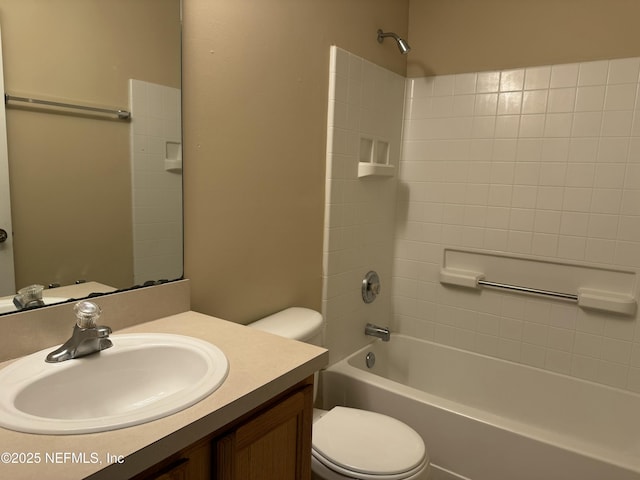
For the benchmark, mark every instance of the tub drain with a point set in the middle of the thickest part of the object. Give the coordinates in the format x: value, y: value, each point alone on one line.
x: 370, y: 359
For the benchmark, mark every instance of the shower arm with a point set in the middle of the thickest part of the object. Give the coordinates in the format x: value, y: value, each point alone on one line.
x: 403, y: 46
x: 382, y: 35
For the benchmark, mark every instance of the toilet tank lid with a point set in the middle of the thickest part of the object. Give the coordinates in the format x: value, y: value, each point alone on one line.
x: 297, y: 323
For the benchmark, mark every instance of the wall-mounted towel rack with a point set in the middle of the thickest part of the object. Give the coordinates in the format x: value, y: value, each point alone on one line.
x: 533, y: 291
x: 586, y: 298
x: 120, y: 114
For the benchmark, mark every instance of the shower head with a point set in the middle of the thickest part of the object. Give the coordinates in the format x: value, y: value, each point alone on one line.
x: 403, y: 46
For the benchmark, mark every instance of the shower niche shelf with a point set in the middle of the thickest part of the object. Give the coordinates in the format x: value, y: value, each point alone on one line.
x: 374, y: 158
x: 375, y: 170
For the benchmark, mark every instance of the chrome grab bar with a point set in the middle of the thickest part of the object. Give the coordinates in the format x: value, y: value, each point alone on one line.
x: 535, y: 291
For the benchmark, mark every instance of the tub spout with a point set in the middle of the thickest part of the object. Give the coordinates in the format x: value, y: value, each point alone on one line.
x: 380, y: 332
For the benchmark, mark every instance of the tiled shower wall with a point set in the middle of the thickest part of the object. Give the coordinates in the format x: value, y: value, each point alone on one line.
x: 157, y: 192
x: 364, y: 101
x: 537, y: 162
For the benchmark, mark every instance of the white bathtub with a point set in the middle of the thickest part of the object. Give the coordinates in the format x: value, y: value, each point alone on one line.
x: 488, y: 419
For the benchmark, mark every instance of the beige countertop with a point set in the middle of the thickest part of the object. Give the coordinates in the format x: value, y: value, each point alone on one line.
x: 260, y: 366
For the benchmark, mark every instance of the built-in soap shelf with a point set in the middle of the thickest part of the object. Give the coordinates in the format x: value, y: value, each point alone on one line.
x: 590, y: 287
x: 173, y: 157
x: 373, y: 158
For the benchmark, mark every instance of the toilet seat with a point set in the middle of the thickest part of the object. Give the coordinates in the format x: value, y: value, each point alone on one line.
x: 367, y: 445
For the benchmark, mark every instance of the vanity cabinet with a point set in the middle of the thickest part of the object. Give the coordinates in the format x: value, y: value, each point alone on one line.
x: 273, y: 445
x: 272, y: 442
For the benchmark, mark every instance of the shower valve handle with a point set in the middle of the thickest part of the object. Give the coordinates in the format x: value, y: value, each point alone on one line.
x: 370, y: 287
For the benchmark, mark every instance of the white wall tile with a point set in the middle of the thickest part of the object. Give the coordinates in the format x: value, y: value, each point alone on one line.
x: 580, y: 174
x: 606, y: 200
x: 600, y: 251
x: 509, y: 103
x: 536, y: 101
x: 624, y: 70
x: 586, y: 124
x: 444, y: 85
x: 564, y: 75
x: 612, y: 150
x: 561, y: 339
x: 612, y: 374
x: 486, y: 104
x: 488, y: 82
x: 533, y: 355
x: 590, y: 98
x: 552, y: 174
x: 532, y: 126
x: 497, y: 217
x: 511, y: 80
x: 610, y: 175
x: 555, y: 149
x: 561, y: 100
x: 593, y: 73
x: 464, y: 83
x: 629, y: 228
x: 550, y: 198
x: 617, y: 123
x: 576, y: 199
x: 558, y: 361
x: 537, y: 78
x: 574, y: 223
x: 583, y: 149
x: 507, y: 126
x: 545, y: 245
x: 539, y: 161
x: 558, y: 125
x: 620, y: 97
x: 633, y: 382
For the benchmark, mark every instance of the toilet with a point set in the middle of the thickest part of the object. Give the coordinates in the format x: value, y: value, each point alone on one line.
x: 350, y: 443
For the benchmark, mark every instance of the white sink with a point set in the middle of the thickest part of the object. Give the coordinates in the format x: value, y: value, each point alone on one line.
x: 141, y: 378
x: 6, y: 304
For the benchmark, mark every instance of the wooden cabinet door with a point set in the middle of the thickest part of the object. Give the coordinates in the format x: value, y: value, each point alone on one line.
x: 193, y: 463
x: 274, y: 445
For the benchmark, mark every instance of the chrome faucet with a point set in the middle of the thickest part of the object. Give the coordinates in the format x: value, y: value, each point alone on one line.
x: 87, y: 337
x: 380, y: 332
x: 29, y: 297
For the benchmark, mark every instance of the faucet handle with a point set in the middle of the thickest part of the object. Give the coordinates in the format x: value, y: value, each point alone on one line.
x: 32, y: 292
x: 87, y: 313
x: 28, y: 297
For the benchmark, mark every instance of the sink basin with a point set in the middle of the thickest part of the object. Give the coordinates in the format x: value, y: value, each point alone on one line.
x: 141, y: 378
x: 7, y: 306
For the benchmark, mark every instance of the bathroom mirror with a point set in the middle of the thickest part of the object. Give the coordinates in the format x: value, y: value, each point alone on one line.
x: 93, y: 197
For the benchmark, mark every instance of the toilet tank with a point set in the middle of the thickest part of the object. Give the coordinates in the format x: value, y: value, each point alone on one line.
x: 297, y: 323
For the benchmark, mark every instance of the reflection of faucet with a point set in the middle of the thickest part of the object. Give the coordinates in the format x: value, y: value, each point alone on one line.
x: 29, y: 297
x: 87, y: 337
x: 379, y: 332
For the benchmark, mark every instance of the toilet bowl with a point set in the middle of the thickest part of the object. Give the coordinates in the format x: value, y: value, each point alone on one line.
x: 350, y: 443
x: 353, y: 443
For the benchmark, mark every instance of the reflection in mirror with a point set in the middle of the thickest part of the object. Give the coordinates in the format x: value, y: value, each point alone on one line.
x: 93, y: 197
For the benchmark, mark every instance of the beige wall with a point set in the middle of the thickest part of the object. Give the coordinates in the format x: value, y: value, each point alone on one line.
x: 70, y: 175
x: 255, y: 111
x: 455, y: 36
